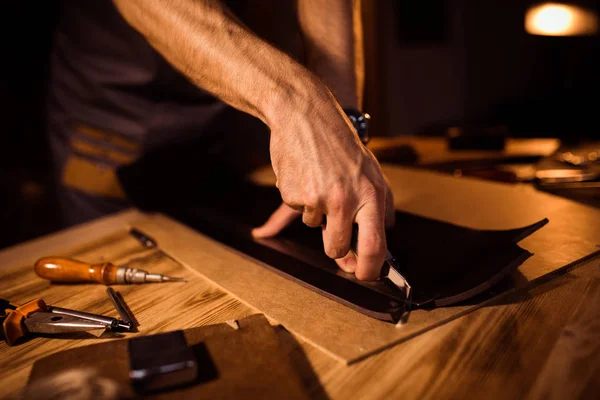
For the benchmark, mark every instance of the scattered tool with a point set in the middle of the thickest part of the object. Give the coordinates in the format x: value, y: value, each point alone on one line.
x: 36, y: 316
x: 109, y: 322
x: 59, y: 269
x: 120, y: 306
x: 149, y: 243
x: 144, y: 239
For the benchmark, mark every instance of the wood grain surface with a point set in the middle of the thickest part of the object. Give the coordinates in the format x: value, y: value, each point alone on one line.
x: 495, y: 352
x: 157, y: 307
x: 504, y: 350
x: 567, y: 372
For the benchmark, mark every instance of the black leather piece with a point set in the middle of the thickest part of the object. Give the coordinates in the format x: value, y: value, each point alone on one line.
x: 444, y: 263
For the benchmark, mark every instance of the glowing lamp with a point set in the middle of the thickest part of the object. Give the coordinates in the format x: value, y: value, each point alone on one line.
x: 560, y: 19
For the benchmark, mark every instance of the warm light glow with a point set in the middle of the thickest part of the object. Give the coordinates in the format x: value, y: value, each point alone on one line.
x: 557, y: 19
x: 553, y: 19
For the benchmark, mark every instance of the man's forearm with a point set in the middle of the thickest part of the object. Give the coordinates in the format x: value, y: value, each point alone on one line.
x: 321, y: 166
x: 204, y: 40
x: 333, y: 35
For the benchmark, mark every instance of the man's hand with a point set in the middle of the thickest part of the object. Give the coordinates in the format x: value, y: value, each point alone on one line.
x: 323, y: 169
x: 321, y: 166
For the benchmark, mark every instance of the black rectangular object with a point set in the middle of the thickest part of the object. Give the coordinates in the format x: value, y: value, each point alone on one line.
x: 161, y: 361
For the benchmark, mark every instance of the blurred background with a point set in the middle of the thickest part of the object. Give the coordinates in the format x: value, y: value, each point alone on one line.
x: 497, y: 90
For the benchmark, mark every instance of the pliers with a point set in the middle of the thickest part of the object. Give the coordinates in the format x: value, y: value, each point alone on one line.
x: 17, y: 321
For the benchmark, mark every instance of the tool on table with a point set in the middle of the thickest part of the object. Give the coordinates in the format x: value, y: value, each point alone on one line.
x: 60, y: 269
x: 36, y: 316
x: 389, y: 272
x: 109, y: 322
x: 67, y: 270
x: 120, y: 306
x: 149, y: 243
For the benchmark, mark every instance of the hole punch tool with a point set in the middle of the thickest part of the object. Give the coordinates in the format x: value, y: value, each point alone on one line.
x: 61, y: 269
x: 68, y: 270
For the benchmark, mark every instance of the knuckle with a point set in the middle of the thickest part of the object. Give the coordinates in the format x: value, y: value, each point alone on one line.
x: 380, y: 194
x: 379, y: 185
x: 372, y: 246
x: 287, y: 198
x: 337, y: 200
x: 375, y: 188
x: 335, y: 250
x: 311, y: 199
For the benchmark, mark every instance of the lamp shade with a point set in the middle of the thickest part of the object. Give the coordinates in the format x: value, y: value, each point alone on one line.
x: 561, y: 19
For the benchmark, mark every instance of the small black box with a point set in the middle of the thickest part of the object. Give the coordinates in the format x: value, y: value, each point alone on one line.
x: 161, y: 361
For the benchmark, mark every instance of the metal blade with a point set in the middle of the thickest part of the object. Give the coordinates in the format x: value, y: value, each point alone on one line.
x: 112, y: 323
x: 120, y: 306
x: 390, y: 271
x: 43, y: 322
x: 173, y: 279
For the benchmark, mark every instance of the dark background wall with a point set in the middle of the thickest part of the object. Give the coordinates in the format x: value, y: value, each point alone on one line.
x: 26, y: 209
x: 457, y: 61
x: 441, y: 62
x: 423, y: 57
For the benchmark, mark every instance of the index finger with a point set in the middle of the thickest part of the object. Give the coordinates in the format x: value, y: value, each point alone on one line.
x: 371, y: 244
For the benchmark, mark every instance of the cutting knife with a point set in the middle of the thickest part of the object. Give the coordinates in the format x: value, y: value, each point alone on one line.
x: 390, y: 273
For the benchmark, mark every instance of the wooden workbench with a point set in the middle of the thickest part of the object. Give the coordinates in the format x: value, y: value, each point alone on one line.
x: 537, y: 341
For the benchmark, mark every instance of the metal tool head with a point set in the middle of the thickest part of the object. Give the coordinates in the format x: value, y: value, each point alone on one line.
x: 144, y: 239
x: 113, y: 324
x: 390, y: 272
x: 45, y: 322
x: 122, y: 308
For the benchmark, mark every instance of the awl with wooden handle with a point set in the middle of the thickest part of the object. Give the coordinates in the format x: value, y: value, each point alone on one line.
x: 59, y: 269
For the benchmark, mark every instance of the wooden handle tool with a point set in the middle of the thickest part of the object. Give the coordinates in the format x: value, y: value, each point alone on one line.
x: 67, y: 270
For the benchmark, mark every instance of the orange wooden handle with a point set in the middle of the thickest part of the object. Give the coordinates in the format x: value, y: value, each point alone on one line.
x: 13, y: 326
x: 59, y: 269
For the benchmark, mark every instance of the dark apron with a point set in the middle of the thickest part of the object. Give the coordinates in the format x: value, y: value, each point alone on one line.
x: 113, y: 98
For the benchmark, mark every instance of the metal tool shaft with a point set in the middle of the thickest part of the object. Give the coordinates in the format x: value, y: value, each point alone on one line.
x: 111, y: 323
x: 120, y: 306
x: 134, y: 275
x: 42, y: 322
x: 150, y: 243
